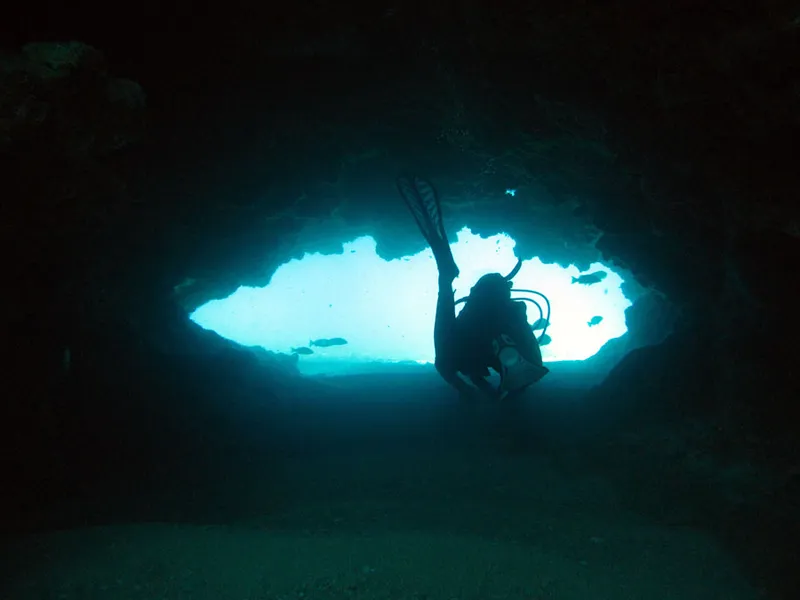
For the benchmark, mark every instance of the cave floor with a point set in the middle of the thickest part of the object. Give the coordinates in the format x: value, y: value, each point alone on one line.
x: 368, y: 501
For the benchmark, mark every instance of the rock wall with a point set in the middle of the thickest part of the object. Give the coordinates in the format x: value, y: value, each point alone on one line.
x: 672, y: 155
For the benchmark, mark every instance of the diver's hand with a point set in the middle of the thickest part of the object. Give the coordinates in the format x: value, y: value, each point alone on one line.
x: 466, y: 392
x: 480, y: 391
x: 471, y: 395
x: 479, y: 394
x: 485, y: 389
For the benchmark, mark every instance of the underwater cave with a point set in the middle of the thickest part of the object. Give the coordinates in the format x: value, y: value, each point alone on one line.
x: 220, y: 363
x: 381, y: 312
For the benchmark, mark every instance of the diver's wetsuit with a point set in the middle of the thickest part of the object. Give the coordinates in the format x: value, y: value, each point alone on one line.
x: 465, y: 344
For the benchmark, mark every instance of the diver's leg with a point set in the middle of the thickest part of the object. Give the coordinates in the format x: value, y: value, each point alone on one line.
x: 444, y: 342
x: 422, y: 201
x: 518, y: 352
x: 444, y: 325
x: 516, y: 372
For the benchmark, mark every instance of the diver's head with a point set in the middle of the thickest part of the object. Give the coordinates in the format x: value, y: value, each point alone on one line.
x: 492, y: 287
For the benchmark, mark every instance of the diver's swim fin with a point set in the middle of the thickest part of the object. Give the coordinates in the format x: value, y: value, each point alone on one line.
x: 517, y: 372
x: 422, y: 201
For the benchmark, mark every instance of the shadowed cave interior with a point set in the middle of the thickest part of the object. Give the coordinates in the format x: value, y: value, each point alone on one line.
x: 163, y: 444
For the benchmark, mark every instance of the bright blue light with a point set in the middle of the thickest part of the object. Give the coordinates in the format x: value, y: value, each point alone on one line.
x: 385, y: 309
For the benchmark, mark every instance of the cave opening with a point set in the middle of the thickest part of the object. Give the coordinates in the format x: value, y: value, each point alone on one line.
x: 355, y: 311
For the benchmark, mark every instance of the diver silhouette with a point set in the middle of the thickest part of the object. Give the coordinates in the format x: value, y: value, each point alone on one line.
x: 492, y: 330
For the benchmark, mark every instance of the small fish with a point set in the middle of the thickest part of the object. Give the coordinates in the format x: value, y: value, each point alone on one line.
x: 596, y: 320
x: 544, y: 340
x: 326, y: 343
x: 590, y: 278
x: 540, y: 324
x: 302, y: 350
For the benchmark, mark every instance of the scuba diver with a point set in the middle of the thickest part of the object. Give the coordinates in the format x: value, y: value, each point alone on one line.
x: 492, y: 330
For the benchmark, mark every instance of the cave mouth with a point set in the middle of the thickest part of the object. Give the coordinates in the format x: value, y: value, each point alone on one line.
x: 384, y: 309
